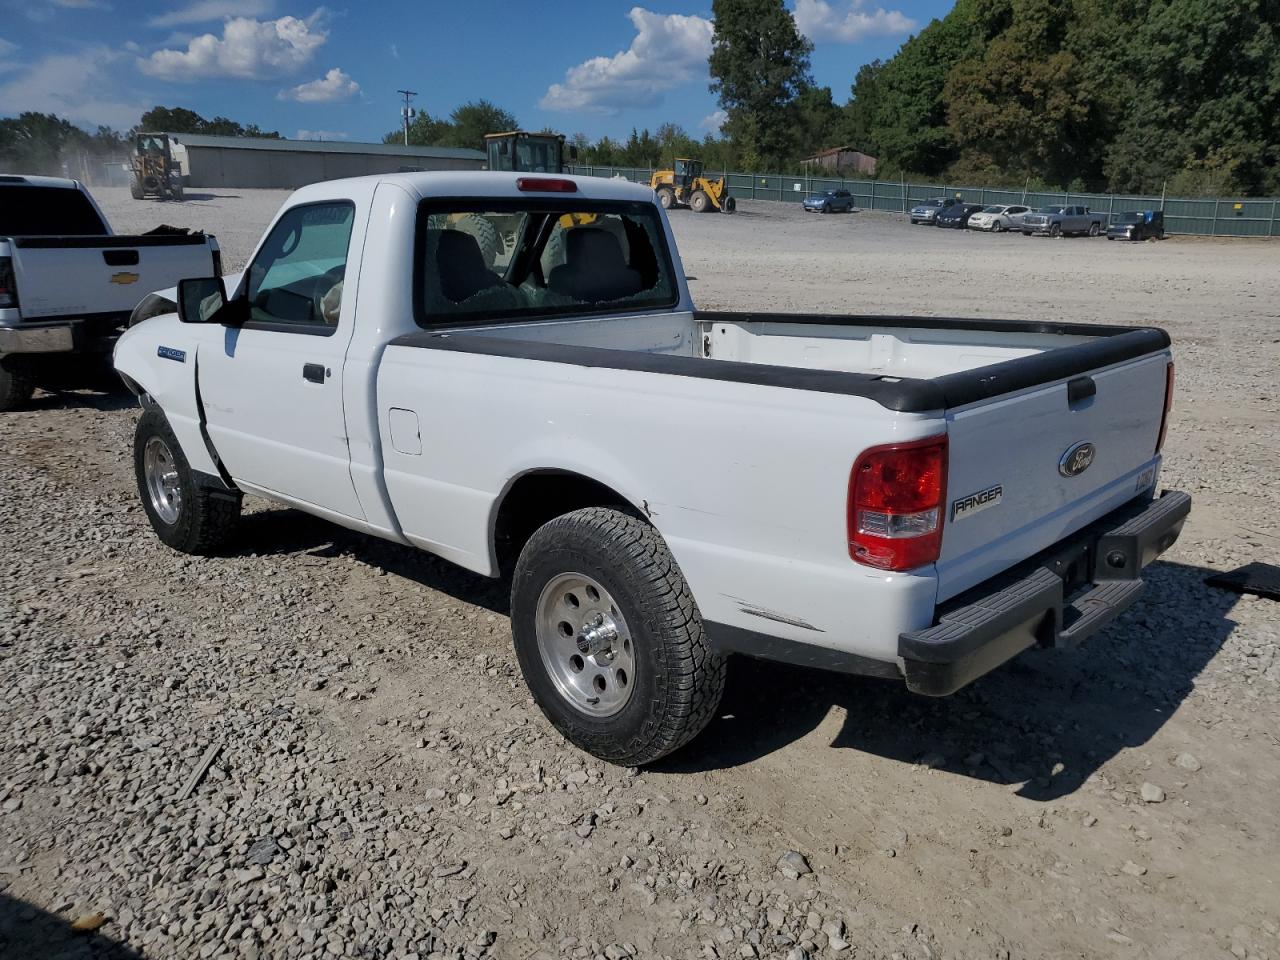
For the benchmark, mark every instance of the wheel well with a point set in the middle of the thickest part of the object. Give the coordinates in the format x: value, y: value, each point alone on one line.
x: 539, y: 497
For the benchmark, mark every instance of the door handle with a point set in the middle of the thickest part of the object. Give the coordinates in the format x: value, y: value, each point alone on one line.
x: 313, y: 372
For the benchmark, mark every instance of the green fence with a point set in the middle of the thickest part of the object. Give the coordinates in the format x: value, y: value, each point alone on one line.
x: 1223, y: 217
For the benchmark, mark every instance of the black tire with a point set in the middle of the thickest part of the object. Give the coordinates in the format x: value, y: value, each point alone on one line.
x: 678, y: 679
x: 728, y: 205
x: 1055, y: 230
x: 666, y: 197
x: 206, y: 517
x: 17, y: 383
x: 485, y: 233
x: 700, y: 202
x: 135, y: 189
x: 1093, y: 229
x: 175, y: 191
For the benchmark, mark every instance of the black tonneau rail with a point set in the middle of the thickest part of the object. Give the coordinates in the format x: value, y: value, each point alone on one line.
x: 139, y: 240
x: 1114, y: 344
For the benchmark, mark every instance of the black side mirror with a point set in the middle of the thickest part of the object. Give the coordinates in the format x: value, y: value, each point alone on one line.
x: 202, y: 300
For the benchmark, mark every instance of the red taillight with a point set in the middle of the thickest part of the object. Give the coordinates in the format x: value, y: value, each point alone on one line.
x: 896, y: 498
x: 546, y: 185
x: 1168, y: 405
x: 8, y: 289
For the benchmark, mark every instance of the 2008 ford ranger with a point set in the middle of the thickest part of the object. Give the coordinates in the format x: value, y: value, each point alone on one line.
x: 508, y: 371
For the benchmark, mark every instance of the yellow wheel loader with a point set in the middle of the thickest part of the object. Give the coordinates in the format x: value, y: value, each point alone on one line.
x: 685, y: 186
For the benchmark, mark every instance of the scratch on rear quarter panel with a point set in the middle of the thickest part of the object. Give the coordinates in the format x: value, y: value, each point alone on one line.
x: 755, y: 610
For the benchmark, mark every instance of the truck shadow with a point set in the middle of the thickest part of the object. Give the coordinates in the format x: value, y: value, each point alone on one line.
x: 278, y: 531
x: 30, y: 933
x: 1047, y: 721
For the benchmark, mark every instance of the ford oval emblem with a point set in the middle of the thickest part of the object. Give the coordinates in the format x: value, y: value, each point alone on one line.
x: 1077, y: 459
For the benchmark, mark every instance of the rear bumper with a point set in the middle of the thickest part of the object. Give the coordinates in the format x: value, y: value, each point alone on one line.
x: 85, y: 335
x: 1058, y: 598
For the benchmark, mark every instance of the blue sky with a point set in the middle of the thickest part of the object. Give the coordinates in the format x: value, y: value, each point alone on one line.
x: 332, y: 71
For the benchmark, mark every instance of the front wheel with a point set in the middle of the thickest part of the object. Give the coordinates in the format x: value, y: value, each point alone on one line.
x: 1055, y: 230
x: 700, y: 202
x: 609, y: 638
x: 185, y: 515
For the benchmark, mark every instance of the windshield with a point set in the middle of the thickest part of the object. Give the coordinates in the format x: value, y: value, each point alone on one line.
x: 931, y: 203
x: 1052, y: 210
x: 993, y: 209
x: 27, y: 211
x: 1129, y: 218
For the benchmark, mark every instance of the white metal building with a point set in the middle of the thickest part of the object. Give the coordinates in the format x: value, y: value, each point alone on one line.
x: 253, y: 162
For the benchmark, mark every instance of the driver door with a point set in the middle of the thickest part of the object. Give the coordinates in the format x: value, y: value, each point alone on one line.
x: 272, y: 387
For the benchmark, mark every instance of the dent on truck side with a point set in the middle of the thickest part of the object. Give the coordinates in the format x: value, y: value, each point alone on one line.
x: 158, y: 360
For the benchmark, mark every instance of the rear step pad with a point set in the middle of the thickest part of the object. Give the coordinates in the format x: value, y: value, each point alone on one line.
x: 1092, y: 611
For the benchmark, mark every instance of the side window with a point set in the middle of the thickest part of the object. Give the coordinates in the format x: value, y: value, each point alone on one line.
x: 297, y: 276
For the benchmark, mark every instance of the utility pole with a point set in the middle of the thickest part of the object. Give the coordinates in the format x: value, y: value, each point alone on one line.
x: 406, y: 112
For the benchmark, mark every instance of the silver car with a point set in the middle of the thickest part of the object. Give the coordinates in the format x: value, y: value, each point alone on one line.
x: 927, y: 211
x: 999, y: 218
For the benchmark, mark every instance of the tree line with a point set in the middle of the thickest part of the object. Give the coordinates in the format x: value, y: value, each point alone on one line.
x: 40, y: 143
x: 1119, y: 95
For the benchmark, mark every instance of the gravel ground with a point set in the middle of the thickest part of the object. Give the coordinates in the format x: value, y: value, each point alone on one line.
x: 379, y: 784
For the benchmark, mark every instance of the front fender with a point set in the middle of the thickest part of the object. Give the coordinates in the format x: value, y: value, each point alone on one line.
x: 158, y: 360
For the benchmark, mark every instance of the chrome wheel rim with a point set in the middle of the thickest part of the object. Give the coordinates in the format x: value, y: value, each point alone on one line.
x: 163, y: 485
x: 585, y: 644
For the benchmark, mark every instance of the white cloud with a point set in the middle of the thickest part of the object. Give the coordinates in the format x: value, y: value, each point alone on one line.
x: 334, y: 87
x: 204, y: 11
x: 321, y: 135
x: 819, y: 21
x: 668, y: 50
x: 77, y: 86
x: 712, y: 122
x: 249, y: 49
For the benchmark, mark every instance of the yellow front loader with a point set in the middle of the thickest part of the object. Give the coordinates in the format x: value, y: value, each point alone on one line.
x: 685, y: 186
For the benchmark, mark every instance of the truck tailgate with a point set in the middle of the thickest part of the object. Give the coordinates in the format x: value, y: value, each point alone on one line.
x: 1019, y: 478
x: 76, y: 276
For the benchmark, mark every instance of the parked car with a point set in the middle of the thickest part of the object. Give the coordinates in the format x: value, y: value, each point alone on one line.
x: 1063, y: 221
x: 1137, y: 225
x: 957, y: 215
x: 68, y: 284
x: 999, y: 217
x: 831, y: 201
x: 663, y: 486
x: 926, y: 211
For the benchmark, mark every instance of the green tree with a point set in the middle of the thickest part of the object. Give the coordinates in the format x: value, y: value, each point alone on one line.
x: 469, y: 123
x: 857, y: 122
x: 181, y: 120
x: 424, y: 131
x: 818, y: 122
x: 759, y: 68
x: 1023, y: 114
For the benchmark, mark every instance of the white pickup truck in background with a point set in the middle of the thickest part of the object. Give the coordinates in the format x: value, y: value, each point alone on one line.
x: 68, y: 284
x: 909, y: 498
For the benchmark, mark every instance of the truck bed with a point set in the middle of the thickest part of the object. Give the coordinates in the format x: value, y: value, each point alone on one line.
x: 903, y: 363
x: 1013, y: 397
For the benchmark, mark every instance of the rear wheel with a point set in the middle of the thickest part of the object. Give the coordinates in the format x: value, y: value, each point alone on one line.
x: 185, y: 515
x: 16, y: 383
x: 609, y: 638
x: 666, y: 197
x: 1093, y: 229
x: 135, y: 189
x: 700, y: 202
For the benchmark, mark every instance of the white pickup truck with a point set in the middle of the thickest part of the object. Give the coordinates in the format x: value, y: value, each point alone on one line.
x: 68, y: 284
x: 907, y: 498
